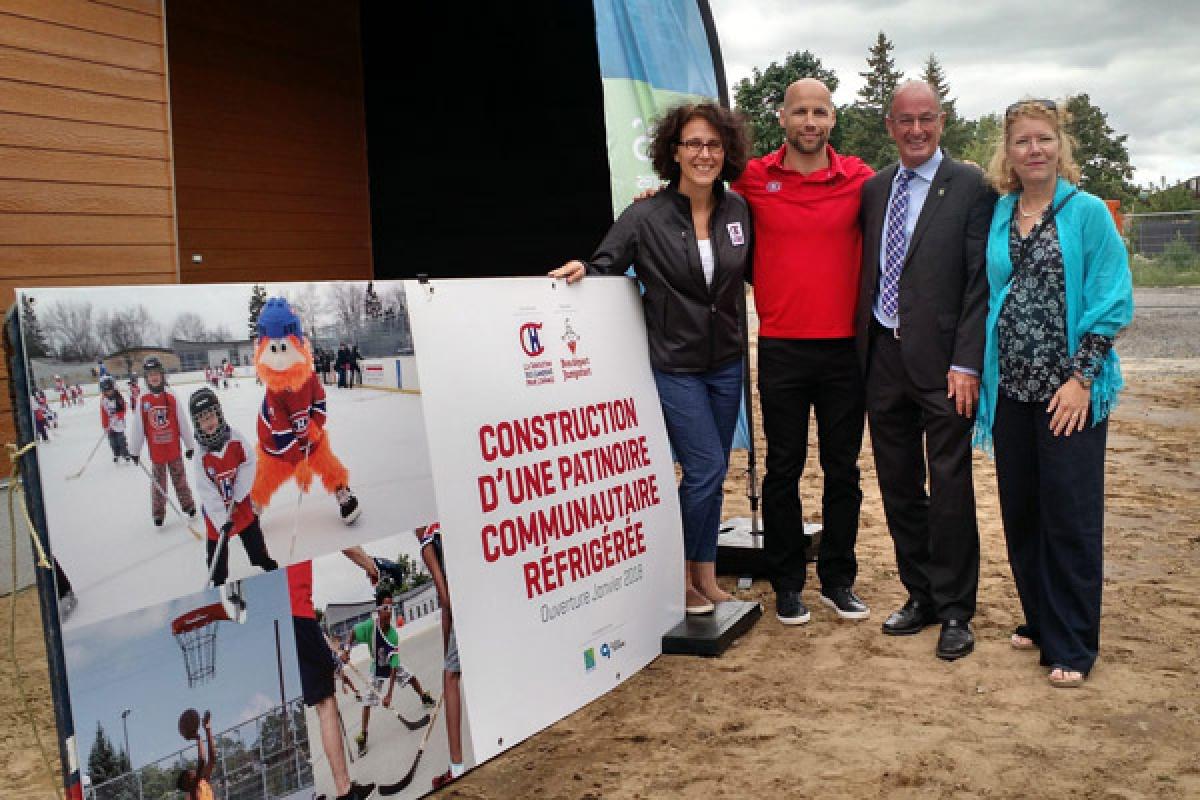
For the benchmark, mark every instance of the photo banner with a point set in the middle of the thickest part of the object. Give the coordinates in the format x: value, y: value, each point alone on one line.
x: 558, y: 507
x: 654, y: 54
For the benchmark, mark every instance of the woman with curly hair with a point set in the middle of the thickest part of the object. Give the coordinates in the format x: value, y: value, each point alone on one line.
x: 1060, y: 291
x: 690, y: 246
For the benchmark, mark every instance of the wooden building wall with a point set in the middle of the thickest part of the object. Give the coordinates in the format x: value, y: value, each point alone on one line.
x: 85, y: 157
x: 270, y: 140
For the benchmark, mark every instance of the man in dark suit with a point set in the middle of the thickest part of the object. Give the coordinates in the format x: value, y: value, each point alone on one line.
x: 920, y: 331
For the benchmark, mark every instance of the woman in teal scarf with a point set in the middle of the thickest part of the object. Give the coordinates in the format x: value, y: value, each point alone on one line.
x: 1060, y: 291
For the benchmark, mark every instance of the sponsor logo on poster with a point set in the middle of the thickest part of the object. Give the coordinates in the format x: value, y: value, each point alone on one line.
x: 589, y: 659
x: 541, y: 371
x: 531, y: 339
x: 576, y: 366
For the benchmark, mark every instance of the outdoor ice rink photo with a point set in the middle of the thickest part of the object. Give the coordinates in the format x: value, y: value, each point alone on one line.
x: 104, y: 538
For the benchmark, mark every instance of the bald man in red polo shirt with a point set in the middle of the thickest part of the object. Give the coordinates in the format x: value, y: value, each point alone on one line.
x: 808, y: 252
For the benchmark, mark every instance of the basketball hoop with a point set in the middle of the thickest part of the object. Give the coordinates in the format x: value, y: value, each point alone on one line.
x: 196, y: 633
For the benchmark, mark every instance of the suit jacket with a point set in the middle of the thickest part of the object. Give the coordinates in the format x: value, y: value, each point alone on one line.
x: 943, y: 288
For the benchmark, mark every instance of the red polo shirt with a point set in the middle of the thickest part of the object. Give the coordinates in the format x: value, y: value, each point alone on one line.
x: 807, y: 245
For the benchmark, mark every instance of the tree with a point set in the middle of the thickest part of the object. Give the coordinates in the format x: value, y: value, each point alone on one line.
x: 190, y: 327
x: 258, y: 299
x: 105, y: 764
x: 761, y: 96
x: 71, y: 331
x: 1177, y: 198
x: 984, y: 136
x: 31, y: 330
x: 129, y: 328
x: 956, y: 134
x: 1099, y: 151
x: 864, y: 133
x: 346, y: 303
x: 372, y: 305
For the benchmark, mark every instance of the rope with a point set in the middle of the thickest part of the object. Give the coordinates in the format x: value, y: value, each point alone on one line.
x: 16, y: 484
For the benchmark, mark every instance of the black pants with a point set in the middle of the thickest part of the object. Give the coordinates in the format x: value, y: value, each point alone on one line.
x: 1052, y: 503
x: 256, y: 551
x: 116, y: 441
x: 794, y: 376
x: 934, y: 531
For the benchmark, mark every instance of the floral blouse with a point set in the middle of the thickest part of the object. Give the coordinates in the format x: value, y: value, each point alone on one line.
x: 1032, y: 328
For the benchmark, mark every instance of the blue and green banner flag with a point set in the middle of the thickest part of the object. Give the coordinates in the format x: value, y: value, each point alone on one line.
x: 654, y: 54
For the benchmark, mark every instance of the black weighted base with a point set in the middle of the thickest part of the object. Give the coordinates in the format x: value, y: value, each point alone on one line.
x: 740, y: 552
x: 711, y: 634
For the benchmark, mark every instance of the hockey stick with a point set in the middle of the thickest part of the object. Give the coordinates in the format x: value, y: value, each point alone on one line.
x: 73, y: 476
x: 414, y: 725
x: 402, y: 784
x: 345, y: 736
x: 222, y: 542
x: 170, y: 502
x: 296, y: 517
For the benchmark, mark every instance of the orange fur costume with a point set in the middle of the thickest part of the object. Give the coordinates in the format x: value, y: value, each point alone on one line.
x: 292, y: 442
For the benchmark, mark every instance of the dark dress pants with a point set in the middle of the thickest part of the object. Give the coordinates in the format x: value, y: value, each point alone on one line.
x: 794, y: 377
x: 917, y: 434
x: 1052, y: 503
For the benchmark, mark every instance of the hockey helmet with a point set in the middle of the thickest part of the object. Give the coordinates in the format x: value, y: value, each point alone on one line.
x: 153, y: 364
x: 107, y: 384
x: 206, y: 400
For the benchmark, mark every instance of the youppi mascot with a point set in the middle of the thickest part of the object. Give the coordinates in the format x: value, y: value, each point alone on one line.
x: 292, y: 441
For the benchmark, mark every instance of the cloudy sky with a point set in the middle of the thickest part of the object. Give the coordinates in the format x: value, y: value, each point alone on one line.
x: 1138, y: 61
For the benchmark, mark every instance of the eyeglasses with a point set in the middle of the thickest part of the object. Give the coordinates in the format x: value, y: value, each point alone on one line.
x: 908, y: 120
x: 1045, y: 103
x: 695, y: 146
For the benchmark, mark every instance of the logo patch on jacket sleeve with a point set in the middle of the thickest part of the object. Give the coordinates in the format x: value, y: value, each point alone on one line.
x: 736, y: 237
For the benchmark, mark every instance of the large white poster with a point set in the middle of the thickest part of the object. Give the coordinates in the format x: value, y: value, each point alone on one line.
x: 556, y: 492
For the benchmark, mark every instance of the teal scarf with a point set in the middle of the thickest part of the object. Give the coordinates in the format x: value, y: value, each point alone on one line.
x: 1099, y: 294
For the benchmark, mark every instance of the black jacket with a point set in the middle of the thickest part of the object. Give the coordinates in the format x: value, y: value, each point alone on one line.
x: 692, y: 327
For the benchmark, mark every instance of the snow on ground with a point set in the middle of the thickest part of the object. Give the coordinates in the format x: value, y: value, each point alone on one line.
x: 102, y: 533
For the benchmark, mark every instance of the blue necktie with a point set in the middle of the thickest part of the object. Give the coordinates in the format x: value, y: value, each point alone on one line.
x: 897, y: 245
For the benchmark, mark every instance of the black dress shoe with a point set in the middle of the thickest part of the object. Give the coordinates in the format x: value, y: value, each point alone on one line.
x: 910, y: 619
x: 956, y: 639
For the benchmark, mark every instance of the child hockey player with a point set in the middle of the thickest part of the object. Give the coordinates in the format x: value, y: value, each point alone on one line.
x: 112, y: 418
x: 224, y: 473
x: 382, y: 637
x: 40, y: 420
x: 61, y: 387
x: 168, y: 435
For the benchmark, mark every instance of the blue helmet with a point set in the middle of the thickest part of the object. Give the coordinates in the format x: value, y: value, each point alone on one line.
x: 277, y: 320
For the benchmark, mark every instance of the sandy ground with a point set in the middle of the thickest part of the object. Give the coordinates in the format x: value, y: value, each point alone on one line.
x: 836, y: 710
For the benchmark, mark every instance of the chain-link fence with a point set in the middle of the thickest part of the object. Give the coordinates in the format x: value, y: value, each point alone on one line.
x: 263, y: 758
x: 1164, y: 247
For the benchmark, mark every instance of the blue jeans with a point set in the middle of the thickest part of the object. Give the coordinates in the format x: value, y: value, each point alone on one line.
x: 701, y: 410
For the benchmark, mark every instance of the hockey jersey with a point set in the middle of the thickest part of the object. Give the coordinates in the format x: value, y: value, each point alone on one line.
x: 291, y: 423
x: 112, y: 412
x: 159, y: 422
x: 135, y: 391
x: 223, y: 479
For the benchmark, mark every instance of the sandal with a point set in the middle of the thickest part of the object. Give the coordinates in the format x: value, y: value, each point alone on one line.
x: 1070, y: 678
x: 1022, y: 640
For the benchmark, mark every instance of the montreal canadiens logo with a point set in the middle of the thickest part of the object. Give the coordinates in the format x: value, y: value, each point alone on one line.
x: 774, y: 186
x: 736, y: 237
x: 531, y: 339
x: 159, y: 418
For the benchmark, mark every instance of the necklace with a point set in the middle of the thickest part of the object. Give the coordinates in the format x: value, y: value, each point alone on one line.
x: 1027, y: 214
